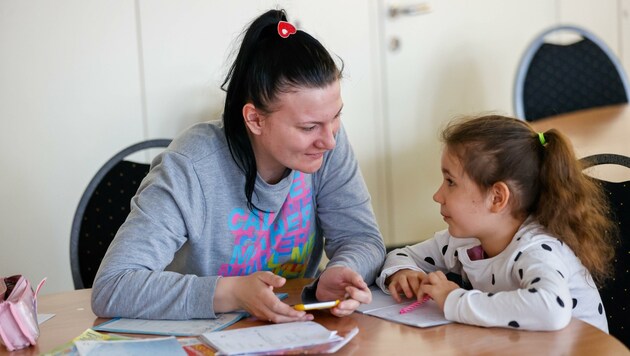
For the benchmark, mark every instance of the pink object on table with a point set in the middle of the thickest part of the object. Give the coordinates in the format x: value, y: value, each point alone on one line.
x: 414, y: 305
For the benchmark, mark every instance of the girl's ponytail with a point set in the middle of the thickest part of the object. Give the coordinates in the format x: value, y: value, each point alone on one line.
x: 573, y: 206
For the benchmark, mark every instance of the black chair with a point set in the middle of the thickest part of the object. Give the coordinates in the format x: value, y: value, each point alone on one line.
x: 557, y: 78
x: 615, y: 294
x: 103, y: 208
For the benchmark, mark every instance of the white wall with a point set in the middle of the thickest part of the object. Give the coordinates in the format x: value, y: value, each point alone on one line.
x: 81, y: 79
x: 69, y: 98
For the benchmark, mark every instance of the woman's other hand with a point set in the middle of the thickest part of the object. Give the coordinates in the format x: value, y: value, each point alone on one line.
x: 254, y: 294
x: 346, y: 285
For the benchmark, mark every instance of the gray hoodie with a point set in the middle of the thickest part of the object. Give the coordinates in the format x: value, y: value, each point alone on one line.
x: 189, y: 225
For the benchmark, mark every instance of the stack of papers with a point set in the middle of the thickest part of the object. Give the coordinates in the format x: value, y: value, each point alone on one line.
x: 193, y: 327
x: 93, y: 343
x: 70, y: 348
x: 306, y: 336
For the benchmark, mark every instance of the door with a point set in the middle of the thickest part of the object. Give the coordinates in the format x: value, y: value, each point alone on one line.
x: 443, y: 59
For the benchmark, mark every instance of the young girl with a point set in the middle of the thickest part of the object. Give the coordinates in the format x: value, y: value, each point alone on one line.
x: 527, y: 232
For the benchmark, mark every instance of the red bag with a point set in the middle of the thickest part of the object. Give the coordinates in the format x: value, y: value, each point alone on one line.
x: 18, y: 312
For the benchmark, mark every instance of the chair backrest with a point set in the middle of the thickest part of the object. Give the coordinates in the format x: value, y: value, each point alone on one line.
x: 615, y: 294
x: 557, y: 78
x: 103, y: 208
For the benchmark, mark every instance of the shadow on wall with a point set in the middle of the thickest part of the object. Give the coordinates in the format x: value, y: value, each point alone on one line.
x: 187, y: 108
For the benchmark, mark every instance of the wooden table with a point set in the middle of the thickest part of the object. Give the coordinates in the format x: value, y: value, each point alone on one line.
x: 592, y: 131
x: 376, y: 336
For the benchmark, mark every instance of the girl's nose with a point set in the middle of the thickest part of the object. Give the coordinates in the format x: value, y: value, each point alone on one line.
x: 437, y: 197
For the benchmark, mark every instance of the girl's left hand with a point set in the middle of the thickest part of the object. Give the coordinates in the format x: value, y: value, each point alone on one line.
x: 437, y: 286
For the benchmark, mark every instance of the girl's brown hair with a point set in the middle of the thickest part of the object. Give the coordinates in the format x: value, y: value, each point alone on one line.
x: 545, y: 179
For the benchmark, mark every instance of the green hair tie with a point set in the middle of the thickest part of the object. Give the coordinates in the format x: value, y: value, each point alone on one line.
x: 541, y: 137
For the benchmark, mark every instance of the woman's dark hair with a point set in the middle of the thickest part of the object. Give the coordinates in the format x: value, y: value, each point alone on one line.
x: 267, y: 65
x: 545, y: 180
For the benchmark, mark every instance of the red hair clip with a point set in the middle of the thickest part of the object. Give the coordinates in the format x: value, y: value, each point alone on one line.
x: 285, y: 29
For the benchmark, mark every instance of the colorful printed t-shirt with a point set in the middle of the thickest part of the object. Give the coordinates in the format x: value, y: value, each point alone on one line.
x: 279, y: 242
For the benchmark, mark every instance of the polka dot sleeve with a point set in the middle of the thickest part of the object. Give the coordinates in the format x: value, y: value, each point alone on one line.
x: 540, y: 298
x: 437, y: 253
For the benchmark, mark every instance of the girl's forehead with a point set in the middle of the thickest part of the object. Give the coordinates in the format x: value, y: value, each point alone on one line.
x: 451, y: 162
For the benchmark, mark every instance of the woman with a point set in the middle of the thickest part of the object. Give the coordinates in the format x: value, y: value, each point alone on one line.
x: 233, y: 208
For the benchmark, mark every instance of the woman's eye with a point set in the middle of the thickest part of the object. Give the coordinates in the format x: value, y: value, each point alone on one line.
x: 309, y: 128
x: 449, y: 181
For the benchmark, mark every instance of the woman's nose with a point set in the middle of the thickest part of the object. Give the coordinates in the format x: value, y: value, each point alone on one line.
x: 327, y: 140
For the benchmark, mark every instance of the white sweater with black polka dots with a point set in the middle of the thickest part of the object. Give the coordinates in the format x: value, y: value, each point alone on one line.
x: 536, y: 283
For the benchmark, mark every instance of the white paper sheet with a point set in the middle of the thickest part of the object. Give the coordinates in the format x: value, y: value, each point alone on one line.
x: 270, y: 338
x: 385, y: 307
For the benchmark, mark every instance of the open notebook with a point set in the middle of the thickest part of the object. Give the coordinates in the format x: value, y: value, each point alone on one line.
x: 385, y: 307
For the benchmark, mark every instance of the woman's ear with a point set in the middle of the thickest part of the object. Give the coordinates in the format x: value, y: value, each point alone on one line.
x: 500, y: 197
x: 253, y: 119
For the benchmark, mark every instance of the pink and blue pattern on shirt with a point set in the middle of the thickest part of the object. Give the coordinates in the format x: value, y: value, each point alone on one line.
x: 281, y: 243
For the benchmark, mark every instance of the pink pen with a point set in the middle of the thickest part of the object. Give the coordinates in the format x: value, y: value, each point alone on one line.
x: 414, y: 305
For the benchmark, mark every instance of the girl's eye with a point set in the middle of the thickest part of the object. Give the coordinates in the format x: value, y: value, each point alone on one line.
x: 449, y: 181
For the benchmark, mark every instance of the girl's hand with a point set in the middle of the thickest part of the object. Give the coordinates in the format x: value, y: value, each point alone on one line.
x: 346, y: 285
x: 405, y: 281
x: 438, y: 287
x: 254, y: 293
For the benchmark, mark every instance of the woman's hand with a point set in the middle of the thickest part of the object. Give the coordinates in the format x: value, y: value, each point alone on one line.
x: 438, y: 287
x: 346, y: 285
x: 404, y: 281
x: 254, y: 293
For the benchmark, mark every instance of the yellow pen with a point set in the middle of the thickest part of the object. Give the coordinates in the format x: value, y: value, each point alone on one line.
x: 313, y: 306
